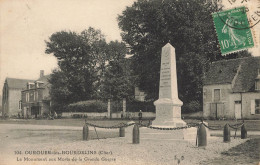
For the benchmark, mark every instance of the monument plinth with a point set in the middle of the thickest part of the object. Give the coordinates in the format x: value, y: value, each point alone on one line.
x: 168, y: 106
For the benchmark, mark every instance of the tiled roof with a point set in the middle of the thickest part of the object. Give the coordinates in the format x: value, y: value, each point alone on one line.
x: 242, y: 72
x: 15, y: 83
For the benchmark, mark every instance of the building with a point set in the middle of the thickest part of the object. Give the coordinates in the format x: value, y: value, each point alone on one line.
x: 12, y: 95
x: 139, y: 95
x: 232, y: 89
x: 36, y: 98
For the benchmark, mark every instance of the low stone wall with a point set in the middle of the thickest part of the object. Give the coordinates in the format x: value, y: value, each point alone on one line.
x: 132, y: 115
x: 117, y: 115
x: 84, y: 114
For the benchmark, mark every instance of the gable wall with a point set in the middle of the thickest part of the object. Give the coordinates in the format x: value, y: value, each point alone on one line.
x: 13, y: 100
x: 208, y: 100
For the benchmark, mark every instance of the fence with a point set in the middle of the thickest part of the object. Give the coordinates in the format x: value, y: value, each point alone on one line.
x: 201, y: 138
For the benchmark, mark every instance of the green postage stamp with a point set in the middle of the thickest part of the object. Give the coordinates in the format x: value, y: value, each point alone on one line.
x: 233, y: 30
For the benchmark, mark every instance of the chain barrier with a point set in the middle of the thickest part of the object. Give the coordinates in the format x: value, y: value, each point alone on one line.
x: 172, y: 128
x: 143, y: 125
x: 212, y: 128
x: 236, y: 126
x: 194, y: 124
x: 120, y: 125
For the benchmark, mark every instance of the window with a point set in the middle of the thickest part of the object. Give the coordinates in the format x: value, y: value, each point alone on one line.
x: 257, y: 84
x: 257, y: 106
x: 36, y: 96
x: 20, y: 104
x: 27, y: 97
x: 257, y: 81
x: 237, y: 102
x: 216, y: 95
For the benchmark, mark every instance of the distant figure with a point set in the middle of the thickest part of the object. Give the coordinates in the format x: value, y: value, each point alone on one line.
x: 140, y: 115
x: 55, y: 115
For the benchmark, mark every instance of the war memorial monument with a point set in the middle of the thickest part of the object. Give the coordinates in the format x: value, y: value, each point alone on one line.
x: 168, y: 106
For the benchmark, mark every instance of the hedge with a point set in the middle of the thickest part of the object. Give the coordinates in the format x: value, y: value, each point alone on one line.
x: 116, y: 106
x: 88, y: 106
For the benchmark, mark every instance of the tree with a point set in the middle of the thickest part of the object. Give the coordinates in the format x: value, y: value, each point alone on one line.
x: 89, y: 68
x: 81, y: 58
x: 188, y: 25
x: 118, y: 82
x: 59, y: 92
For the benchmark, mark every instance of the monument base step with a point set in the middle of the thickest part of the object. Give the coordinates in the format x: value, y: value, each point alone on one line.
x: 188, y: 134
x: 170, y: 123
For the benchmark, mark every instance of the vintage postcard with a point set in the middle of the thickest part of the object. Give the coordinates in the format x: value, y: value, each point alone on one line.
x: 133, y: 82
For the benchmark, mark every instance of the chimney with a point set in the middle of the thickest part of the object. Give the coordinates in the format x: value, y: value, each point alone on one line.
x: 41, y: 73
x: 28, y: 85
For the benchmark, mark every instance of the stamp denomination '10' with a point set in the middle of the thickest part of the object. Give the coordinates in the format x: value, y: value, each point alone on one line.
x: 233, y: 30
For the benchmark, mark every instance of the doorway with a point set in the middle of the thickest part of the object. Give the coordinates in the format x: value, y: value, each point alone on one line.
x: 35, y: 111
x: 238, y: 110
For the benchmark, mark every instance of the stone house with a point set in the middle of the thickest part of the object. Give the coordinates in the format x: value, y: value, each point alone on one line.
x: 11, y: 96
x: 232, y: 89
x: 35, y: 98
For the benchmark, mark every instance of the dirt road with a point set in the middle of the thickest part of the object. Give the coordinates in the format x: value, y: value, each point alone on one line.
x: 34, y: 144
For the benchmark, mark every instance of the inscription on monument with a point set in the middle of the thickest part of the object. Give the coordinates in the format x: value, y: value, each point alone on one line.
x: 165, y: 75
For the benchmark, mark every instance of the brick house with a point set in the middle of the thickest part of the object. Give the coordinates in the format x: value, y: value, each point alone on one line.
x: 35, y: 98
x: 11, y: 104
x: 232, y: 89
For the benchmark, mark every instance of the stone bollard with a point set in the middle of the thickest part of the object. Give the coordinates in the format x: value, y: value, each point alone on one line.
x: 136, y: 135
x: 226, y: 133
x: 122, y: 132
x: 243, y: 132
x: 202, y: 136
x: 85, y: 132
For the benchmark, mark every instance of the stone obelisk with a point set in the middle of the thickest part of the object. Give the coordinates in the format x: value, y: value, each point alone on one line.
x: 168, y: 106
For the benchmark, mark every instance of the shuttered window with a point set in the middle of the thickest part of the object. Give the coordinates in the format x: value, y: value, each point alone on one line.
x: 257, y: 106
x: 27, y: 97
x: 252, y: 107
x: 216, y: 95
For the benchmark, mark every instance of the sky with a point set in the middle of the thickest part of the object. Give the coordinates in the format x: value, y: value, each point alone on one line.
x: 25, y: 25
